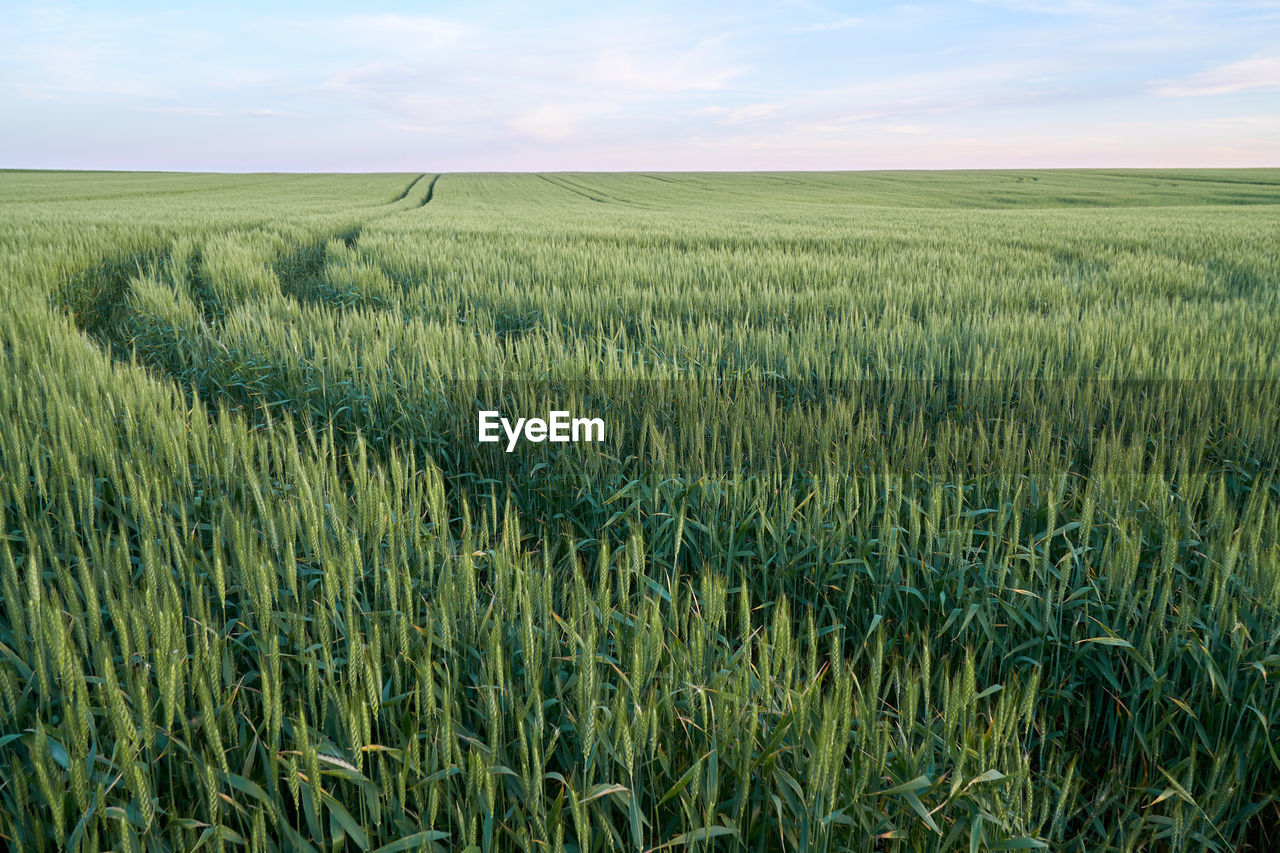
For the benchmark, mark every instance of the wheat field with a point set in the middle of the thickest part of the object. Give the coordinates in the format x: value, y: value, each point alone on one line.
x: 935, y: 512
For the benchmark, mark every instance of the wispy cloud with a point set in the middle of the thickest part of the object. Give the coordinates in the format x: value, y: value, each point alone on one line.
x: 1249, y: 74
x: 768, y: 85
x: 203, y: 112
x: 742, y: 115
x: 72, y: 59
x: 655, y: 68
x: 549, y: 122
x: 1068, y: 7
x: 542, y: 86
x: 387, y: 33
x: 829, y: 26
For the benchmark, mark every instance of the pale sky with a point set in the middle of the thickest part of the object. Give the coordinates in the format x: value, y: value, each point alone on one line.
x: 660, y: 86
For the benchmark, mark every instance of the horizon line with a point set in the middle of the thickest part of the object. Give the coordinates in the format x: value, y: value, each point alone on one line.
x: 639, y: 171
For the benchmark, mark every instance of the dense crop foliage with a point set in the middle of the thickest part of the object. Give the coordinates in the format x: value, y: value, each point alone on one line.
x: 935, y: 512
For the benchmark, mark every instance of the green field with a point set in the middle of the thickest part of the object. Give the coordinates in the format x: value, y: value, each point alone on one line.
x: 936, y: 511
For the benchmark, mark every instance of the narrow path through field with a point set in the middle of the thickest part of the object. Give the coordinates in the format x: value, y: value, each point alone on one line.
x: 109, y: 278
x: 431, y: 188
x: 574, y: 190
x: 409, y: 188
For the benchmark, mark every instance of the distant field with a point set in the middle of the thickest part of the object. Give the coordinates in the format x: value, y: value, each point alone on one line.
x: 936, y: 511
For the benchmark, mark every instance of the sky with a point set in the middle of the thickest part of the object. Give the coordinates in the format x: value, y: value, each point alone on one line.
x: 513, y: 86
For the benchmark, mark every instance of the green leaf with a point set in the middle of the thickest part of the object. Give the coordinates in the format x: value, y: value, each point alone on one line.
x: 602, y: 790
x: 907, y: 787
x: 706, y: 833
x: 413, y: 842
x: 347, y: 822
x: 1108, y: 641
x: 918, y: 807
x: 1021, y: 844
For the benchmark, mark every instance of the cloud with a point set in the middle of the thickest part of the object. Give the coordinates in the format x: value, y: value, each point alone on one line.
x: 842, y: 24
x: 548, y: 122
x: 968, y: 89
x: 654, y: 68
x: 388, y: 33
x: 202, y: 112
x: 579, y: 83
x: 745, y: 114
x: 517, y: 87
x: 1234, y: 77
x: 905, y: 106
x: 1263, y: 123
x: 67, y: 56
x: 1065, y: 7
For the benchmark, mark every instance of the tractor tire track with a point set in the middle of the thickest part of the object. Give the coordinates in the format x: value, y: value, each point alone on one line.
x: 573, y: 190
x: 431, y: 188
x: 408, y: 189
